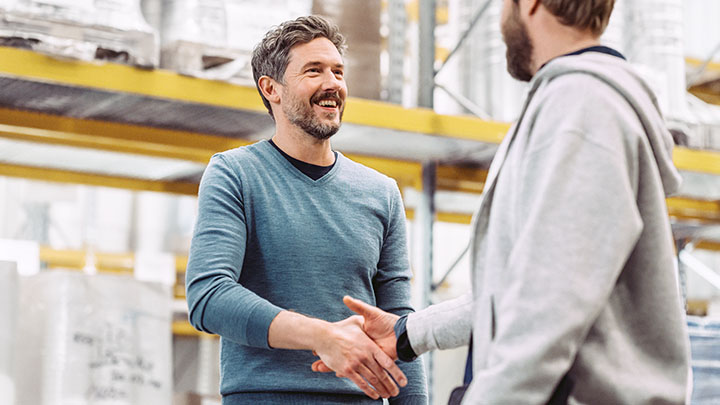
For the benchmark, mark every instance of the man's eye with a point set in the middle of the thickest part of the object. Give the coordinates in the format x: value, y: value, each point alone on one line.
x: 339, y: 72
x: 314, y: 70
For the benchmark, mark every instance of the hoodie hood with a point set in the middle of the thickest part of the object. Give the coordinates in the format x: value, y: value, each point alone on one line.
x: 619, y: 75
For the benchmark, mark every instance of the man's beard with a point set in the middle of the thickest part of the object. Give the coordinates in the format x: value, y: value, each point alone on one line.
x: 302, y: 116
x: 519, y: 46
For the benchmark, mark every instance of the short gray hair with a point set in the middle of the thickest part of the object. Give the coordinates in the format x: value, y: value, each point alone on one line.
x: 272, y: 55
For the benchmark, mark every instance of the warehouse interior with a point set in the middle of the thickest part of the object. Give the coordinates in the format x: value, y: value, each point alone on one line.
x: 111, y: 109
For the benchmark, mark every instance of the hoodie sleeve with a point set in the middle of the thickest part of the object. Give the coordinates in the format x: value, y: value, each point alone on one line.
x: 577, y: 224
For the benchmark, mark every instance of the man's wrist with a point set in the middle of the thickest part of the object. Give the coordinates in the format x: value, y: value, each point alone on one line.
x: 290, y: 330
x: 320, y: 334
x: 403, y: 348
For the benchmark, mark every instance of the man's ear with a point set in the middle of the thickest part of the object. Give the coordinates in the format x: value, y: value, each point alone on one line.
x: 270, y: 89
x: 533, y: 6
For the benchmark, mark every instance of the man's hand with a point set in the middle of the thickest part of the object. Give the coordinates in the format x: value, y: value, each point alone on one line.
x: 347, y: 350
x: 378, y: 325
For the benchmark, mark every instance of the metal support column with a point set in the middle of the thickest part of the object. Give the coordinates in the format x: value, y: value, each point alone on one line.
x: 426, y: 206
x: 396, y: 50
x: 424, y: 226
x: 426, y: 44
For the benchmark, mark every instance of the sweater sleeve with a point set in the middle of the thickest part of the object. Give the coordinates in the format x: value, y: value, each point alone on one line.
x: 580, y: 222
x: 217, y: 303
x: 392, y: 294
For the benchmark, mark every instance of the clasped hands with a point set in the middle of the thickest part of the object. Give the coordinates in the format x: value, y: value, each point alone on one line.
x: 362, y: 349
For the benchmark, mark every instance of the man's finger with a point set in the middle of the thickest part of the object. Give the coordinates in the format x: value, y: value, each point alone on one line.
x: 386, y: 362
x: 374, y: 376
x: 319, y: 366
x: 382, y: 378
x: 363, y: 385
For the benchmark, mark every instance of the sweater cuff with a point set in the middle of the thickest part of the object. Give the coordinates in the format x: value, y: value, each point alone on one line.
x: 256, y: 332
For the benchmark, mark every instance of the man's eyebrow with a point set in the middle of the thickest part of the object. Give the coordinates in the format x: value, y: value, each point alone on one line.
x: 316, y: 63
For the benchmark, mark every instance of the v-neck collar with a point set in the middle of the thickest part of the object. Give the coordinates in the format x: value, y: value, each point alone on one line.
x: 270, y: 150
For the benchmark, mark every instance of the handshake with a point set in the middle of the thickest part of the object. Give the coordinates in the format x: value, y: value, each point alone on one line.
x: 362, y: 349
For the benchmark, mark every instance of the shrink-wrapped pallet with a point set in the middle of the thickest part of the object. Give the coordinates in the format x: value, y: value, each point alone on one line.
x: 705, y: 349
x: 93, y: 340
x: 214, y: 39
x: 82, y: 29
x: 8, y: 320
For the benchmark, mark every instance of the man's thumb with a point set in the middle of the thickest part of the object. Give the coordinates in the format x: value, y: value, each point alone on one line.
x: 358, y: 306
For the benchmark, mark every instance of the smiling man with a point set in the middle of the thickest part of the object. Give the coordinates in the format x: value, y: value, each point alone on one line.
x: 288, y: 226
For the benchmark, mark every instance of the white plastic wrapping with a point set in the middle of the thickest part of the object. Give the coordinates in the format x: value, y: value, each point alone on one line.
x: 82, y: 29
x: 93, y: 340
x: 214, y: 38
x: 705, y: 348
x: 8, y: 320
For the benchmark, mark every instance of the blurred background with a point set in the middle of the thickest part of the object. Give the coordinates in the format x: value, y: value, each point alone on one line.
x: 110, y: 110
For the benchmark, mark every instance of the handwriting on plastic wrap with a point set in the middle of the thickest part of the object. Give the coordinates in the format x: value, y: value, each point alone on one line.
x: 116, y: 366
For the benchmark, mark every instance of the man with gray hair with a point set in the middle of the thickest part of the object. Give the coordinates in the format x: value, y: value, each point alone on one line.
x: 288, y: 226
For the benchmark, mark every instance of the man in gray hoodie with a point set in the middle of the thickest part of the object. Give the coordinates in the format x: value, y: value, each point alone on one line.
x: 575, y: 296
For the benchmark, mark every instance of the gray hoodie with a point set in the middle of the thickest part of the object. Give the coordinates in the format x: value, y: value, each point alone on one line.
x: 572, y: 255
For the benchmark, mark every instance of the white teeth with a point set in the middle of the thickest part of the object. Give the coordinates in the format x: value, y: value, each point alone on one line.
x: 327, y: 103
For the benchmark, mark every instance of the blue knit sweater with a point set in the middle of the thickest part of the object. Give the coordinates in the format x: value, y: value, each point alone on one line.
x: 269, y: 238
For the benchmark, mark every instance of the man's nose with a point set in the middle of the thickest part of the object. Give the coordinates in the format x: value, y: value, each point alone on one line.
x: 332, y: 82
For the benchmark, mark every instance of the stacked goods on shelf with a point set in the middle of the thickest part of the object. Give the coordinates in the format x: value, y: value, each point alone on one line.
x: 8, y: 319
x: 359, y: 21
x: 100, y: 339
x: 82, y: 29
x: 705, y: 348
x: 213, y: 39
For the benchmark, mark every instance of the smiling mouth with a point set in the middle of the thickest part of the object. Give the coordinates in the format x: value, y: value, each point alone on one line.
x: 328, y: 103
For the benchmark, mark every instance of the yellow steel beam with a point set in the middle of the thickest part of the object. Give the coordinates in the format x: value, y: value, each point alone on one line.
x: 424, y: 121
x: 53, y: 129
x: 115, y: 77
x: 67, y: 176
x: 697, y: 307
x: 76, y: 259
x: 407, y: 174
x: 685, y: 208
x: 169, y: 85
x: 183, y: 328
x: 88, y: 141
x: 61, y: 258
x: 122, y: 263
x: 712, y: 66
x: 454, y: 218
x: 181, y: 263
x: 680, y: 208
x: 692, y: 160
x: 708, y: 245
x: 464, y: 179
x: 705, y: 94
x: 103, y: 134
